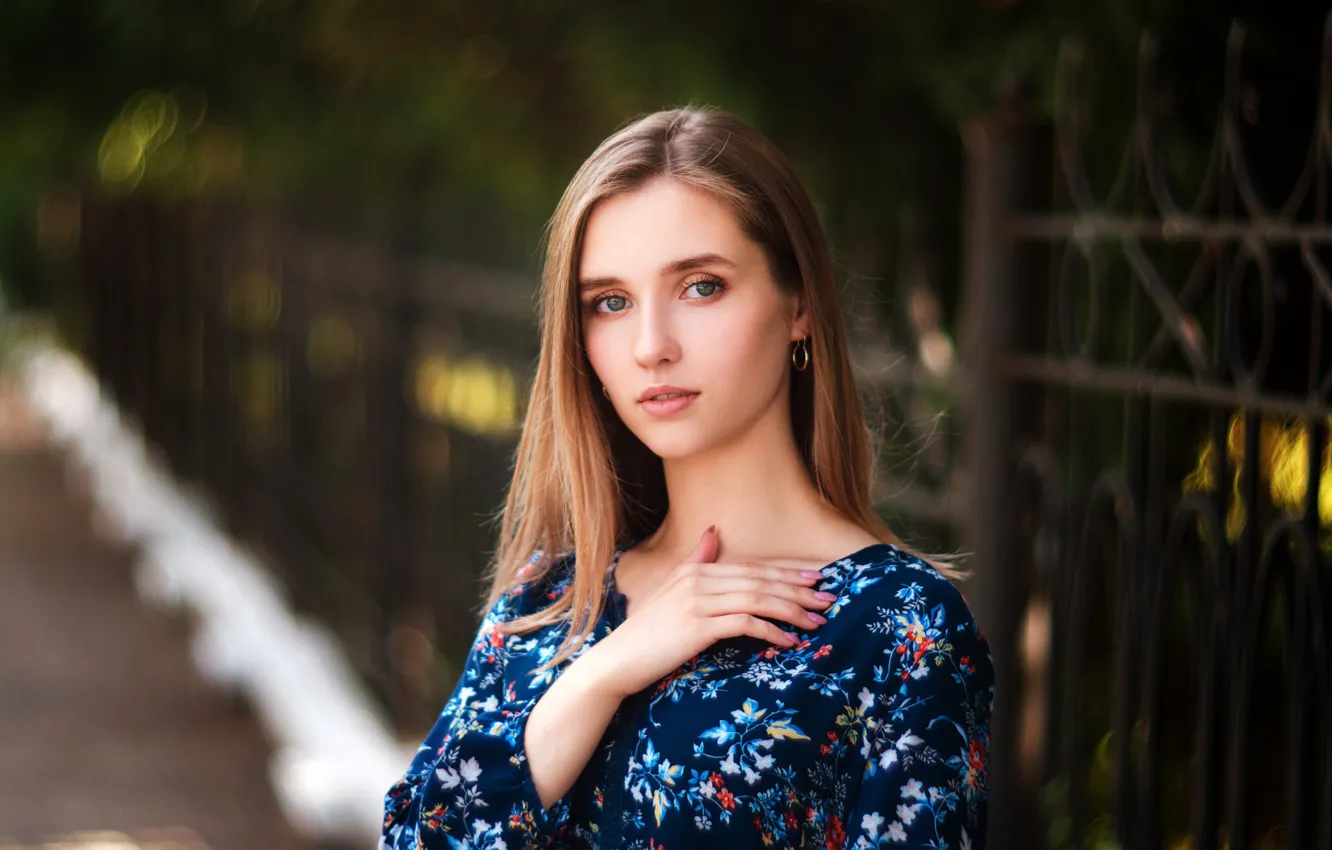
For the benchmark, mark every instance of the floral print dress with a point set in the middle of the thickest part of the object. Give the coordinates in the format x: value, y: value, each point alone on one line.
x: 873, y: 731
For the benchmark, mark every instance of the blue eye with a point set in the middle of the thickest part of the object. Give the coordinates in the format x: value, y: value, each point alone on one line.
x: 616, y: 303
x: 710, y: 287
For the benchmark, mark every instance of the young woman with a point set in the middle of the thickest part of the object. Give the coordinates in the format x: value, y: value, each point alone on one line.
x: 699, y: 634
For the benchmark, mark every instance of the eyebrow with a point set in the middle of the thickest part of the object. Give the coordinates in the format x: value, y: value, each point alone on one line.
x: 697, y: 261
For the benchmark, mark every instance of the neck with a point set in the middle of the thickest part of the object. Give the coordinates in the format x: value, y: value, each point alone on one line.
x: 755, y: 489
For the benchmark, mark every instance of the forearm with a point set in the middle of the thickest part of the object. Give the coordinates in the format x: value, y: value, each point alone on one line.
x: 566, y: 725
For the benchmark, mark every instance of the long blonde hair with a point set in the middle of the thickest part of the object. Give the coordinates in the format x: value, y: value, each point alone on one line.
x: 582, y: 483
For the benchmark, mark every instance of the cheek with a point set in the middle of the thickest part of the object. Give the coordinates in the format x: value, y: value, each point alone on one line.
x: 747, y: 346
x: 604, y: 352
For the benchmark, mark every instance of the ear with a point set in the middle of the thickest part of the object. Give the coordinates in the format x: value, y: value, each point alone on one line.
x: 799, y: 318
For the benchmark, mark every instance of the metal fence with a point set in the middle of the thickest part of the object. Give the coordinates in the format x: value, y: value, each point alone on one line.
x: 349, y: 409
x: 1148, y: 431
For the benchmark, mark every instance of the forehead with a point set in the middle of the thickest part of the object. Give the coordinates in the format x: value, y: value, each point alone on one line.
x: 638, y: 232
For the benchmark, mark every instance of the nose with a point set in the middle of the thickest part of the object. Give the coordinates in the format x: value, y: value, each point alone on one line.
x: 655, y: 341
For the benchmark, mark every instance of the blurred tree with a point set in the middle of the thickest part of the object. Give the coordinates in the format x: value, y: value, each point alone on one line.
x: 470, y: 116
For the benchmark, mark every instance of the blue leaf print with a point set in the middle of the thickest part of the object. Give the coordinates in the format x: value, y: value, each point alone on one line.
x: 937, y: 615
x: 858, y: 586
x: 722, y: 733
x: 749, y: 713
x: 650, y: 757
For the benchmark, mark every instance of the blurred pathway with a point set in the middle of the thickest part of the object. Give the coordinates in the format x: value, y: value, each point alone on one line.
x: 107, y: 740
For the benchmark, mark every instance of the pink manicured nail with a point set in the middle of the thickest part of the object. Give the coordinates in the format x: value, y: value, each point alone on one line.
x: 825, y: 596
x: 811, y: 574
x: 816, y: 618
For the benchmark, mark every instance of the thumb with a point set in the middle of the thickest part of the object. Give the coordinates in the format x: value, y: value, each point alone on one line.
x: 705, y: 552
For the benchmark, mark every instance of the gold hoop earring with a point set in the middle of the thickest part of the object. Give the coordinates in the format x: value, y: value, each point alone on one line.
x: 800, y: 355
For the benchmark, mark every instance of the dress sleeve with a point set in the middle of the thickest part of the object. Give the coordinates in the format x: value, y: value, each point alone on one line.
x: 924, y: 781
x: 470, y: 784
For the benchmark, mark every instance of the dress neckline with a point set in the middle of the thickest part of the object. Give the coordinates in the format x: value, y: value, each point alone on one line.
x: 856, y: 555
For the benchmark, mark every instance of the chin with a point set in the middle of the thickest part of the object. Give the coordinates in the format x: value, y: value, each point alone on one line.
x: 671, y: 441
x: 673, y: 447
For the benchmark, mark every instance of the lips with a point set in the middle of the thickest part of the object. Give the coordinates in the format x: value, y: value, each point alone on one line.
x: 664, y: 400
x: 664, y: 392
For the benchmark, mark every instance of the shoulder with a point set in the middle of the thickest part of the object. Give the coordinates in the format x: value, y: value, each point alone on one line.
x: 539, y: 582
x: 903, y: 602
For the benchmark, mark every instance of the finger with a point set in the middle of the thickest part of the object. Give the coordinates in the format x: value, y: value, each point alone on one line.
x: 760, y: 570
x: 705, y: 551
x: 806, y: 596
x: 734, y: 625
x: 762, y: 604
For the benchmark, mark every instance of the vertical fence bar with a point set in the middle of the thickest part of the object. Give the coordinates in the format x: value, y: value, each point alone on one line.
x: 1006, y: 169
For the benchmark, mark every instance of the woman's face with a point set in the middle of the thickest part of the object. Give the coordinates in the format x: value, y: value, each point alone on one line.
x: 676, y: 299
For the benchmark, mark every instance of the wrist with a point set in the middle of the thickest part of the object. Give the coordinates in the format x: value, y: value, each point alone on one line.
x: 594, y: 674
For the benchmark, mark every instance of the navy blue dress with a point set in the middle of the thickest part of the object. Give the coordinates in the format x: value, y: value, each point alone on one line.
x: 873, y: 731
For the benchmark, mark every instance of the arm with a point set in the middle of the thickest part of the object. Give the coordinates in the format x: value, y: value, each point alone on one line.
x: 472, y: 778
x: 924, y: 782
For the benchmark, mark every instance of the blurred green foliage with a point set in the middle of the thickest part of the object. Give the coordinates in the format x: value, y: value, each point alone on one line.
x: 461, y: 120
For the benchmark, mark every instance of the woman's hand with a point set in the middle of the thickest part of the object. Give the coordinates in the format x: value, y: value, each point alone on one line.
x: 700, y: 603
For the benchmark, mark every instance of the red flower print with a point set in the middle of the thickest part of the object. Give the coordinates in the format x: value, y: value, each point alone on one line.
x: 716, y: 779
x: 825, y: 749
x: 976, y: 755
x: 835, y: 837
x: 792, y: 822
x: 434, y: 819
x: 832, y: 736
x: 726, y: 798
x: 496, y: 639
x: 823, y: 651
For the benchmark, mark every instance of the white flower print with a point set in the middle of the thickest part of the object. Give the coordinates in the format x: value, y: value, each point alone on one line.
x: 866, y: 700
x: 896, y: 832
x: 871, y: 823
x: 906, y: 814
x: 448, y: 777
x: 470, y: 770
x: 913, y: 790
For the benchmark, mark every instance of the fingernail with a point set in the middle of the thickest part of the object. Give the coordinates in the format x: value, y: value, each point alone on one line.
x: 825, y: 596
x: 710, y: 529
x: 818, y: 619
x: 811, y: 574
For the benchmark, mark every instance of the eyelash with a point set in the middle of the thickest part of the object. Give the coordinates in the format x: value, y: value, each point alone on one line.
x: 595, y: 304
